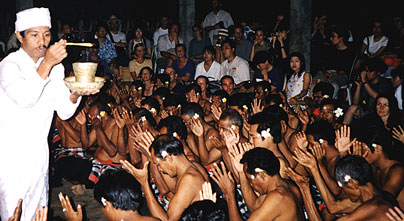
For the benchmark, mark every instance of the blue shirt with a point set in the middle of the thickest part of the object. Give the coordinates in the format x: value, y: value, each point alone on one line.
x: 107, y: 51
x: 276, y: 77
x: 188, y: 68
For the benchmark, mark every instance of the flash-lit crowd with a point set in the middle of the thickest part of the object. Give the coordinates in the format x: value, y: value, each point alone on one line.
x: 233, y: 127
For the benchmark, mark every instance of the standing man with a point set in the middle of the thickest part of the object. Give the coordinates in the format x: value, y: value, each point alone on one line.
x: 216, y: 19
x: 31, y: 89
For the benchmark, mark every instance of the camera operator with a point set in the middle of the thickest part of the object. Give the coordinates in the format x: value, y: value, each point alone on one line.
x: 369, y: 84
x: 222, y: 35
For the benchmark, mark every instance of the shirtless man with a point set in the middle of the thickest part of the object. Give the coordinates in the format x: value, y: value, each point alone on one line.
x: 193, y: 93
x: 202, y: 133
x: 168, y: 154
x: 258, y: 170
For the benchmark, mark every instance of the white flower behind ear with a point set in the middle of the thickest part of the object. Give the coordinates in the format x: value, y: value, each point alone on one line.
x: 164, y: 154
x: 196, y: 116
x: 339, y: 112
x: 175, y: 134
x: 266, y: 133
x: 143, y: 118
x: 347, y: 178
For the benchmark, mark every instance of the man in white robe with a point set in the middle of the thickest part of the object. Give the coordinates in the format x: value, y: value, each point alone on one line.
x: 31, y: 89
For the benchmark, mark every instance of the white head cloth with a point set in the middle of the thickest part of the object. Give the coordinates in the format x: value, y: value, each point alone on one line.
x: 33, y: 17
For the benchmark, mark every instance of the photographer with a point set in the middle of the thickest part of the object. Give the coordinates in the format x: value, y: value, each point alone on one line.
x: 217, y: 44
x: 369, y: 84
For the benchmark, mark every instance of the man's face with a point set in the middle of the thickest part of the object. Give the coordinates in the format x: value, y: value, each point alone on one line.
x: 163, y: 166
x: 202, y: 83
x: 101, y: 32
x: 377, y: 28
x: 67, y: 29
x: 114, y: 25
x: 164, y: 21
x: 187, y: 120
x: 93, y: 113
x: 35, y: 42
x: 228, y: 52
x: 396, y: 81
x: 370, y: 75
x: 146, y: 75
x: 256, y: 138
x: 327, y: 113
x: 226, y: 126
x: 174, y: 29
x: 180, y: 51
x: 227, y: 85
x: 353, y: 193
x: 171, y: 72
x: 318, y: 97
x: 253, y: 181
x: 238, y: 34
x: 259, y: 92
x: 207, y: 56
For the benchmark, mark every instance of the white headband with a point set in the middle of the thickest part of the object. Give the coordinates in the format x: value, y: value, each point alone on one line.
x: 33, y: 17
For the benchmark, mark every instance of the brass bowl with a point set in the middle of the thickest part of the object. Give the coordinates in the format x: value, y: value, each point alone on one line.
x: 84, y: 72
x: 73, y: 85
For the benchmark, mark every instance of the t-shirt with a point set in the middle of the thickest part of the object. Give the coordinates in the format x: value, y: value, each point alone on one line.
x: 107, y: 51
x: 373, y: 46
x: 196, y: 47
x: 276, y: 77
x: 164, y: 44
x: 213, y: 74
x: 135, y: 66
x: 238, y: 69
x: 188, y: 68
x: 159, y: 32
x: 212, y: 18
x: 384, y: 86
x: 244, y: 49
x: 340, y: 60
x: 398, y: 95
x: 118, y: 37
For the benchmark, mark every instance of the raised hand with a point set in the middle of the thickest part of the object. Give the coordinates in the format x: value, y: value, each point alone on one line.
x: 81, y: 117
x: 196, y: 127
x: 256, y: 106
x: 17, y: 212
x: 216, y: 111
x: 141, y: 175
x: 303, y: 116
x: 123, y: 94
x: 356, y: 149
x: 305, y: 158
x: 297, y: 178
x: 219, y: 144
x: 398, y: 133
x: 41, y: 214
x: 395, y: 215
x: 193, y: 97
x: 56, y: 53
x: 246, y: 125
x: 343, y: 139
x: 120, y: 122
x: 236, y: 152
x: 206, y: 192
x: 231, y: 138
x: 301, y: 140
x: 164, y: 114
x: 128, y: 118
x: 317, y: 151
x: 70, y: 213
x: 223, y: 178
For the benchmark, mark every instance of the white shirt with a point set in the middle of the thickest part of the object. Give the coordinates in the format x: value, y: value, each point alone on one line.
x: 28, y: 103
x: 398, y: 96
x: 213, y: 74
x: 375, y: 46
x: 164, y: 44
x: 212, y: 19
x: 238, y: 69
x: 159, y: 32
x: 295, y: 86
x: 118, y: 37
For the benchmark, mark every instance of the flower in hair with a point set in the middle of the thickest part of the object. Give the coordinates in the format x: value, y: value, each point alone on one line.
x: 164, y: 154
x: 259, y: 170
x: 347, y: 178
x: 374, y: 145
x: 175, y: 134
x: 224, y: 100
x: 143, y: 118
x: 245, y: 107
x: 321, y: 141
x: 326, y: 96
x: 102, y: 113
x: 196, y: 116
x: 339, y: 112
x: 233, y: 127
x: 179, y: 106
x: 266, y: 133
x: 139, y: 88
x: 153, y: 110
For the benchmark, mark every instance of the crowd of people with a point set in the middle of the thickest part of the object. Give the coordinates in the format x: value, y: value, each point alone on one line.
x: 234, y: 127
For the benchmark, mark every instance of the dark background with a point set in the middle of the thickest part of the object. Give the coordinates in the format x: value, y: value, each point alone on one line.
x: 357, y: 14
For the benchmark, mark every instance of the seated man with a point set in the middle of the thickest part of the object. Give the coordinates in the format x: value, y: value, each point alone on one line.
x: 167, y: 154
x: 258, y: 170
x: 266, y: 71
x: 120, y: 195
x: 234, y: 66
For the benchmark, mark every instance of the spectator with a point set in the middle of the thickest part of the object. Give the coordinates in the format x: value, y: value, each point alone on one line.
x: 234, y: 66
x: 118, y: 38
x: 216, y: 19
x: 140, y: 38
x: 397, y: 77
x: 267, y: 71
x: 185, y: 67
x: 161, y: 30
x: 243, y: 46
x: 176, y: 86
x: 166, y: 46
x: 139, y: 61
x: 209, y: 67
x: 260, y: 43
x: 107, y: 51
x: 298, y: 86
x: 197, y: 44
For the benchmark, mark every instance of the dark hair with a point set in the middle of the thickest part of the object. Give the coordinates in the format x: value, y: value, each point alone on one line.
x: 173, y: 124
x: 193, y: 86
x: 210, y: 49
x: 205, y: 210
x: 302, y: 60
x: 354, y: 166
x: 341, y: 31
x: 330, y: 101
x: 162, y: 92
x: 138, y: 113
x: 263, y: 159
x: 277, y: 112
x: 231, y: 43
x: 239, y: 100
x: 325, y: 88
x: 166, y: 143
x: 181, y: 45
x: 204, y: 77
x: 265, y: 85
x: 120, y: 188
x: 375, y: 64
x: 163, y: 78
x: 261, y: 57
x: 152, y: 102
x: 173, y: 100
x: 191, y: 109
x: 266, y: 121
x: 102, y: 25
x: 221, y: 94
x: 233, y: 116
x: 276, y: 98
x: 137, y: 84
x: 146, y: 68
x: 224, y: 77
x: 322, y: 129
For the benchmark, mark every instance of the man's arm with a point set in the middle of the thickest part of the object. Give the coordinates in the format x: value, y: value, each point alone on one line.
x: 364, y: 212
x: 250, y: 198
x: 395, y: 181
x: 71, y: 132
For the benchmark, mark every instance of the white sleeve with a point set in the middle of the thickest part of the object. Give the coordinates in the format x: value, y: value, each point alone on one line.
x: 63, y: 106
x: 123, y: 38
x: 244, y: 72
x: 198, y: 70
x: 24, y: 89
